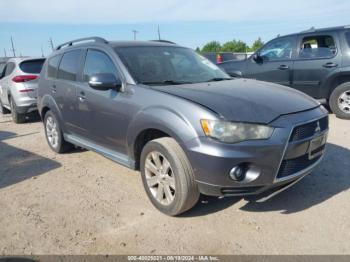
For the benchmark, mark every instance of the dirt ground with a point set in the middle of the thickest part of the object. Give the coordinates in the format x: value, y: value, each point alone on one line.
x: 83, y: 203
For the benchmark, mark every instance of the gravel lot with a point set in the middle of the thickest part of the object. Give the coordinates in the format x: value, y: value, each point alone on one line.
x: 83, y: 203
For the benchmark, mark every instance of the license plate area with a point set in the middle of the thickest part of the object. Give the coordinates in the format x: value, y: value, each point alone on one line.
x: 316, y: 147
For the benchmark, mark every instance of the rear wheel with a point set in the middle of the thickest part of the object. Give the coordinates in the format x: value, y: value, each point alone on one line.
x: 168, y: 176
x: 3, y: 110
x: 340, y: 101
x: 54, y: 135
x: 16, y: 117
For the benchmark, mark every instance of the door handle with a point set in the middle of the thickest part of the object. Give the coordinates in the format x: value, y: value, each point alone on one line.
x: 330, y: 65
x: 283, y: 67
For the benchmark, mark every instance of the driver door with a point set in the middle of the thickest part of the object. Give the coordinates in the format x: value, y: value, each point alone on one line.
x: 274, y: 62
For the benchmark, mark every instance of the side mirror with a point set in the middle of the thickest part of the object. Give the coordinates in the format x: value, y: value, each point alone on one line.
x: 257, y: 58
x: 105, y: 82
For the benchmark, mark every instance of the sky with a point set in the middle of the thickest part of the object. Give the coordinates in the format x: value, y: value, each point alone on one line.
x: 190, y: 23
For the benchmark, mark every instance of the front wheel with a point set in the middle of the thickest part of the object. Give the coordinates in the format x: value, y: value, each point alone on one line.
x: 54, y: 135
x: 168, y: 177
x: 340, y: 101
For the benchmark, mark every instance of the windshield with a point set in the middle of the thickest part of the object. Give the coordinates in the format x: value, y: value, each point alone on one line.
x: 168, y: 65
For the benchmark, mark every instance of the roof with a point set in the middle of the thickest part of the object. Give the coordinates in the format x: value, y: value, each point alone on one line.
x: 318, y: 30
x: 140, y: 43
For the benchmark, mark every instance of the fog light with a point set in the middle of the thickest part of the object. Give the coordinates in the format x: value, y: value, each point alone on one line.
x: 238, y: 173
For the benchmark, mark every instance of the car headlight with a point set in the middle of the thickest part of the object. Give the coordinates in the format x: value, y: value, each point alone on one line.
x: 233, y: 132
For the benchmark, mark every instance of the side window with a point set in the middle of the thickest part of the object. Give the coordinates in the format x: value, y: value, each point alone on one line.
x: 9, y: 68
x: 319, y: 46
x: 53, y: 66
x: 69, y: 65
x: 98, y: 62
x: 278, y: 49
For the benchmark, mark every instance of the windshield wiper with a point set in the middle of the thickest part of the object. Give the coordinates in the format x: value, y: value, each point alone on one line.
x: 215, y: 79
x: 166, y: 82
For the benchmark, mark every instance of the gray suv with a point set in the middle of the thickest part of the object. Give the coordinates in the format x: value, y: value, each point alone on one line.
x: 186, y: 125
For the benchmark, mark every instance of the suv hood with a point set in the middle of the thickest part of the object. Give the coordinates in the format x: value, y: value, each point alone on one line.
x: 244, y: 100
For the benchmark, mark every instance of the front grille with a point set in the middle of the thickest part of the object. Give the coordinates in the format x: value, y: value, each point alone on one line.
x: 292, y: 166
x: 309, y: 129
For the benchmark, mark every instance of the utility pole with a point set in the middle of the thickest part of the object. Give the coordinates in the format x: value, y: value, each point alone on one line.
x: 51, y: 44
x: 158, y: 33
x: 5, y: 52
x: 135, y: 32
x: 13, y: 48
x: 42, y: 51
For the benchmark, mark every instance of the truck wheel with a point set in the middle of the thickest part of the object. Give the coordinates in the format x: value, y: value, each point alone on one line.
x: 16, y: 117
x: 3, y: 110
x: 54, y: 134
x: 168, y: 176
x: 340, y: 101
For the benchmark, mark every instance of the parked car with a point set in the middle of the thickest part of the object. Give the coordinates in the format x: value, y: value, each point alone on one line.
x: 220, y: 57
x: 316, y: 62
x: 190, y: 128
x: 18, y: 84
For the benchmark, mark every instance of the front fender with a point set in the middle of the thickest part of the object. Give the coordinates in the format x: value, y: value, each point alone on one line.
x: 161, y: 118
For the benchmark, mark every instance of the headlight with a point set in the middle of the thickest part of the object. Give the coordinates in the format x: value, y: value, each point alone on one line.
x: 231, y: 132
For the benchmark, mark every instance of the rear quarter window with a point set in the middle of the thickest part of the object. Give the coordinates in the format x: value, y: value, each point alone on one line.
x: 32, y: 66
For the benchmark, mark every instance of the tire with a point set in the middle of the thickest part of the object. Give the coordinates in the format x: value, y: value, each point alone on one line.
x: 339, y: 101
x: 4, y: 110
x: 16, y: 117
x: 54, y: 135
x: 176, y: 179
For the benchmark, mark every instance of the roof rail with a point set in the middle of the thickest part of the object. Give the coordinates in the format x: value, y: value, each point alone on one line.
x: 312, y: 29
x: 164, y: 41
x: 70, y: 43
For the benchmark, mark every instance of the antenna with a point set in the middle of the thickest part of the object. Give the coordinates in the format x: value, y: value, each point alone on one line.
x: 159, y: 33
x: 51, y: 44
x: 13, y: 48
x: 135, y: 32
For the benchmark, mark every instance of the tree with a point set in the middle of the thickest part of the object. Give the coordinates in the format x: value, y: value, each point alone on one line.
x: 257, y: 45
x: 213, y: 46
x: 235, y: 46
x: 198, y: 50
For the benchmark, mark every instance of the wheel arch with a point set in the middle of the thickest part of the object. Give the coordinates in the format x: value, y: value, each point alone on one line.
x: 146, y: 127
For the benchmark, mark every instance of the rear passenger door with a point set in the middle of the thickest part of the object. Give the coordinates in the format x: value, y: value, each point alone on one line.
x: 64, y: 90
x: 318, y: 56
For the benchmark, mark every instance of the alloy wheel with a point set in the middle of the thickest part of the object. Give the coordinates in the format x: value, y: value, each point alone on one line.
x: 160, y: 178
x: 52, y: 131
x: 344, y: 102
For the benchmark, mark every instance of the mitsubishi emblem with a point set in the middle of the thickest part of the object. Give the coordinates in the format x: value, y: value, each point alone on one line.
x: 318, y: 128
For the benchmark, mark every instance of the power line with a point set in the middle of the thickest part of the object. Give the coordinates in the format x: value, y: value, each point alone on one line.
x: 13, y: 48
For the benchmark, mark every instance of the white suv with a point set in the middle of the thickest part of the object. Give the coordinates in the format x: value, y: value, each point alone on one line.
x: 18, y: 84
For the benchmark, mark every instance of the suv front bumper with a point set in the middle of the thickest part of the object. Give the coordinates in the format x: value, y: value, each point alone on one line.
x: 280, y: 161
